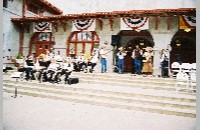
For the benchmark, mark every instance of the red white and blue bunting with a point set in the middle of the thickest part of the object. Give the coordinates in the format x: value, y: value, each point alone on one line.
x: 190, y: 20
x: 42, y: 27
x: 80, y: 25
x: 134, y: 23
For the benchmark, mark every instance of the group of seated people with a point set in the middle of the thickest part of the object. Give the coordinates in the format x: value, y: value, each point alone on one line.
x: 51, y: 67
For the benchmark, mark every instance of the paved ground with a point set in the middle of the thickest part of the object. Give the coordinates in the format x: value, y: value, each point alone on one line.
x: 33, y: 113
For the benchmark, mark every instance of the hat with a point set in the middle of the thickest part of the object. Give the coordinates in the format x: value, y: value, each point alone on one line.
x: 148, y: 48
x: 121, y: 48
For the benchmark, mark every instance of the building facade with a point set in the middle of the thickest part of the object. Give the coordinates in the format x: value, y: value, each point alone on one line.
x: 33, y: 32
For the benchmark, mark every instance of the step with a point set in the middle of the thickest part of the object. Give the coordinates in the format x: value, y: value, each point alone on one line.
x: 113, y: 97
x: 126, y: 80
x: 108, y: 96
x: 135, y: 85
x: 112, y: 104
x: 126, y: 92
x: 123, y: 76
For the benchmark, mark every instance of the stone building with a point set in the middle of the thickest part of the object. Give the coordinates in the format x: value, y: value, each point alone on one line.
x: 31, y: 26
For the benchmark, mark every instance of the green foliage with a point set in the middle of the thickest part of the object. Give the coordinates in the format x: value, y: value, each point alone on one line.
x: 19, y: 56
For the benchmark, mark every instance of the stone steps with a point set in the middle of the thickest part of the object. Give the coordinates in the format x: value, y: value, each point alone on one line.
x: 174, y: 105
x: 122, y: 91
x: 125, y: 79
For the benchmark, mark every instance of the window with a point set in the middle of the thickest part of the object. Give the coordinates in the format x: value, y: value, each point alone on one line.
x: 84, y: 41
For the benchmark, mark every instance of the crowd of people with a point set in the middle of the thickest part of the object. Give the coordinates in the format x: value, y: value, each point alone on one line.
x: 50, y: 67
x: 141, y: 60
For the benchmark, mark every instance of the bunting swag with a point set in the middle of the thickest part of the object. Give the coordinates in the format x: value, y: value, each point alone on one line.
x: 42, y: 27
x: 80, y: 25
x: 187, y: 22
x: 134, y: 23
x: 190, y: 20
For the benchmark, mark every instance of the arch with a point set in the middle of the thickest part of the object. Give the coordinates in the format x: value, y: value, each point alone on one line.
x: 41, y: 43
x: 130, y: 40
x: 183, y: 47
x: 82, y: 41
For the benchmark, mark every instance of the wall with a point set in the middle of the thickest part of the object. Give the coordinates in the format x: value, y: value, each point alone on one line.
x: 10, y: 31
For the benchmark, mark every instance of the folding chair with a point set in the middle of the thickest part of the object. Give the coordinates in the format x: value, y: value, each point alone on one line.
x: 186, y: 67
x: 193, y: 80
x: 182, y: 78
x: 17, y: 75
x: 175, y: 68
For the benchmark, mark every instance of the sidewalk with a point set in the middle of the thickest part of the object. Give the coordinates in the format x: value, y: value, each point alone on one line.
x: 33, y: 113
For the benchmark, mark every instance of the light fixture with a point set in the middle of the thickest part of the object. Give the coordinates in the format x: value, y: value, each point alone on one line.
x: 178, y: 44
x: 137, y: 30
x: 187, y: 30
x: 141, y: 43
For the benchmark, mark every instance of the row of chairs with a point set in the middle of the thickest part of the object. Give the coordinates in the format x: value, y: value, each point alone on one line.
x: 185, y: 74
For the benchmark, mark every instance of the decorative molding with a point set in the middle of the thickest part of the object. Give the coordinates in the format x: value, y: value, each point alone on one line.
x: 100, y: 23
x: 63, y: 24
x: 156, y: 22
x: 168, y: 23
x: 111, y: 23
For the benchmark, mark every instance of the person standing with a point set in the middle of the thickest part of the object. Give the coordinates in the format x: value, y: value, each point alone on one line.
x: 103, y: 56
x: 121, y: 54
x: 137, y: 59
x: 147, y: 68
x: 164, y: 60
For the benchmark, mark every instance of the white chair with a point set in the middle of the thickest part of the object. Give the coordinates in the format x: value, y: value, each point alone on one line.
x: 182, y: 78
x: 175, y: 68
x: 193, y: 67
x: 186, y: 67
x: 17, y: 75
x: 193, y: 80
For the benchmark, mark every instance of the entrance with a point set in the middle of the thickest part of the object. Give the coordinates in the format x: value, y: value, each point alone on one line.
x: 183, y: 47
x: 143, y: 43
x: 41, y: 48
x: 129, y: 39
x: 40, y: 42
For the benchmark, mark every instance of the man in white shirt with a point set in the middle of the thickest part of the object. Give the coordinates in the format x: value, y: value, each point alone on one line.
x: 103, y: 56
x: 121, y: 54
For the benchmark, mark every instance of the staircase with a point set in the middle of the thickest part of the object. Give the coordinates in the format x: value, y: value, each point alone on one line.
x: 122, y: 91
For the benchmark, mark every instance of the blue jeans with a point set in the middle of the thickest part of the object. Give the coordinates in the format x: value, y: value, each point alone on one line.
x: 138, y: 65
x: 103, y: 65
x: 120, y: 65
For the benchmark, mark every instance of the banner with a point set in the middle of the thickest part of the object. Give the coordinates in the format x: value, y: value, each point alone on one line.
x: 42, y: 27
x: 187, y: 22
x: 83, y: 25
x: 134, y: 23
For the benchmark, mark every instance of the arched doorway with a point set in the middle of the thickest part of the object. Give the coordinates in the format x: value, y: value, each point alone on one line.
x: 82, y: 41
x: 183, y: 47
x: 129, y: 39
x: 40, y: 42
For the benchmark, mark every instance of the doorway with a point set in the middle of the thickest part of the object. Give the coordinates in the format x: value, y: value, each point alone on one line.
x: 41, y: 47
x: 129, y: 39
x: 183, y: 47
